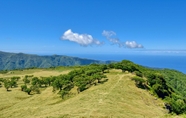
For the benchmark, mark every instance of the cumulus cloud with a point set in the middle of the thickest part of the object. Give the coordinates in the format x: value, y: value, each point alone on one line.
x: 82, y: 39
x: 133, y: 44
x: 110, y: 35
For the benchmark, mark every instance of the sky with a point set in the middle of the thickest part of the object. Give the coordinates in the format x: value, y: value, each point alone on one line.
x: 93, y: 26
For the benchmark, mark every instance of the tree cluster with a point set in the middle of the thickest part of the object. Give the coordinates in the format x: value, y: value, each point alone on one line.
x: 82, y: 78
x: 9, y: 82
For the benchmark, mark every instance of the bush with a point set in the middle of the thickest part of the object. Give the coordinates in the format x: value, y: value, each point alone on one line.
x: 139, y: 74
x: 140, y: 82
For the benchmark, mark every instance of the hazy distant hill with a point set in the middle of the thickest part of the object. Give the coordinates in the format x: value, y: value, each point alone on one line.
x: 11, y: 61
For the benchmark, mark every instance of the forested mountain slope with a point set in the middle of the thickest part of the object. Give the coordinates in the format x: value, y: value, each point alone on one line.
x: 9, y: 61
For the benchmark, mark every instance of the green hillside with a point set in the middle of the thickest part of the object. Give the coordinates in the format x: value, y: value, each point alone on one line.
x: 10, y: 61
x: 118, y: 97
x: 118, y: 90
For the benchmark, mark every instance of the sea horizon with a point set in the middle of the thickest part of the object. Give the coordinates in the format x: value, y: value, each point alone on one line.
x: 175, y: 62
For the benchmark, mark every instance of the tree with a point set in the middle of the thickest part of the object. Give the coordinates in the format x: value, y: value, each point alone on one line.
x: 47, y: 81
x: 35, y: 88
x: 7, y: 84
x: 1, y: 80
x: 23, y: 87
x: 26, y: 80
x: 81, y: 83
x: 13, y: 83
x: 15, y: 78
x: 35, y: 80
x: 28, y: 90
x: 63, y: 93
x: 57, y: 84
x: 62, y: 82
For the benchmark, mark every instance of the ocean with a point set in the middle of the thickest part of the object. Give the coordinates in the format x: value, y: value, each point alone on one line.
x: 176, y: 62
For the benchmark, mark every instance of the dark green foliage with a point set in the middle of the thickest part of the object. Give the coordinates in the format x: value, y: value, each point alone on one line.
x: 10, y: 83
x: 26, y: 80
x: 7, y: 84
x: 111, y: 65
x: 28, y: 90
x: 127, y: 65
x: 166, y: 84
x: 82, y: 82
x: 62, y: 82
x: 1, y: 81
x: 82, y: 78
x: 23, y: 87
x: 63, y: 93
x: 140, y: 82
x: 13, y: 83
x: 139, y: 74
x: 3, y: 71
x: 35, y: 81
x: 15, y: 78
x: 47, y: 81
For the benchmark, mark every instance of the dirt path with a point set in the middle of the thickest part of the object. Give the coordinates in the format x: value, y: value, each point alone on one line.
x: 103, y: 96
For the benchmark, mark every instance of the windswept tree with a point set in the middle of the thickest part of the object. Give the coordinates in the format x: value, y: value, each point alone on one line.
x: 7, y: 84
x: 35, y: 89
x: 13, y: 81
x: 81, y: 83
x: 15, y: 78
x: 26, y: 80
x: 28, y: 90
x: 46, y: 81
x: 62, y: 82
x: 1, y: 81
x: 35, y: 81
x: 23, y: 87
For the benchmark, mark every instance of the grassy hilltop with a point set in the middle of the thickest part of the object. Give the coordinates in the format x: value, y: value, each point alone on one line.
x: 123, y: 95
x: 119, y: 97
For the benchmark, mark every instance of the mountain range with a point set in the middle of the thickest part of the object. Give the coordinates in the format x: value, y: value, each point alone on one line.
x: 10, y: 61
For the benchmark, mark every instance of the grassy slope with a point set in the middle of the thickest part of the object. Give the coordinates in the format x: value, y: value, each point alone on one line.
x: 119, y: 97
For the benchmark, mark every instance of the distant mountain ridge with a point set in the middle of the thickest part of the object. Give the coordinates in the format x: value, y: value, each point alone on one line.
x: 10, y: 61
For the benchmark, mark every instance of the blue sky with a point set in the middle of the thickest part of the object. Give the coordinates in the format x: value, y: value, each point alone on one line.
x: 93, y: 26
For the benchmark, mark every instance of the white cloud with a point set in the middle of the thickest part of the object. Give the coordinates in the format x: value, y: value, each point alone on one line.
x: 109, y: 35
x: 82, y: 39
x: 128, y: 44
x: 133, y: 44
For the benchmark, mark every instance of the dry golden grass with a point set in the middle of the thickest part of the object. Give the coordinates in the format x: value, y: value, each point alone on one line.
x: 35, y: 72
x: 117, y: 98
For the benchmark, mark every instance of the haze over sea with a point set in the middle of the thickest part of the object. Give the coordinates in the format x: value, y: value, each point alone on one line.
x: 176, y: 62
